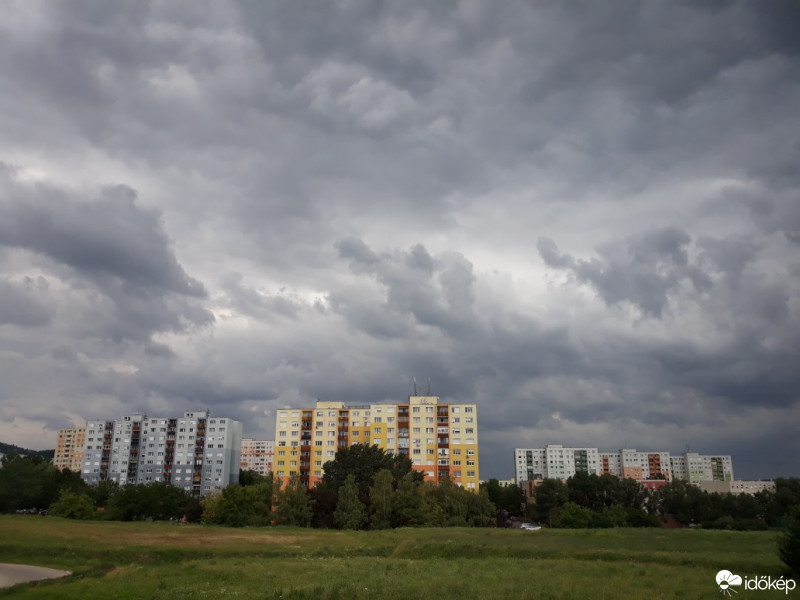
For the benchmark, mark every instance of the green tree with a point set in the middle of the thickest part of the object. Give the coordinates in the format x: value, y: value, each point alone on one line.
x: 72, y: 505
x: 789, y: 542
x: 381, y: 500
x: 507, y: 498
x: 350, y: 512
x: 551, y: 495
x: 611, y: 516
x: 211, y: 504
x: 27, y: 482
x: 480, y: 510
x: 158, y: 500
x: 573, y: 516
x: 363, y: 461
x: 242, y: 506
x: 408, y: 502
x: 249, y: 477
x: 294, y: 504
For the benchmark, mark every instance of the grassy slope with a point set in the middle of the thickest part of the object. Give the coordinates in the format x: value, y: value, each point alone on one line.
x: 159, y: 560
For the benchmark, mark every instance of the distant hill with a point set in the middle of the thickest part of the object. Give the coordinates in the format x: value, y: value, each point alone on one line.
x: 11, y: 448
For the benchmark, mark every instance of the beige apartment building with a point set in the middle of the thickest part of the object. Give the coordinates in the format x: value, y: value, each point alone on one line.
x: 257, y: 455
x: 69, y: 449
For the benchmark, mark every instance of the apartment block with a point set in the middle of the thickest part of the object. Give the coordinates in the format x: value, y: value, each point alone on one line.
x: 69, y: 449
x: 693, y: 467
x: 554, y: 462
x: 558, y: 462
x: 257, y: 455
x: 632, y: 464
x: 440, y: 439
x: 736, y: 487
x: 196, y: 452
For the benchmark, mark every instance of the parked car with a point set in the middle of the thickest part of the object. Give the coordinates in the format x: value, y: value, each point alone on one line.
x: 531, y: 527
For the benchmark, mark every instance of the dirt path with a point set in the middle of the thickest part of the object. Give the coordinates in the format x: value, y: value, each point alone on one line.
x: 14, y: 574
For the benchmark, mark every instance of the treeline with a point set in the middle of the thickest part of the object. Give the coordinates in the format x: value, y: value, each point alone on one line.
x: 362, y: 488
x: 31, y: 483
x: 365, y: 488
x: 607, y: 501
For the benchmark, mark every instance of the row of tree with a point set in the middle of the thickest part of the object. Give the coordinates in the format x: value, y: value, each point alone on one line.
x: 606, y: 501
x: 362, y: 488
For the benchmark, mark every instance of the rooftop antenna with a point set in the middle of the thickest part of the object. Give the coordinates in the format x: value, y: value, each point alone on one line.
x: 429, y: 386
x: 415, y: 386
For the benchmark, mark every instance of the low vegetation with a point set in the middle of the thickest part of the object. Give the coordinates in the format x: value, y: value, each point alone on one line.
x: 174, y: 561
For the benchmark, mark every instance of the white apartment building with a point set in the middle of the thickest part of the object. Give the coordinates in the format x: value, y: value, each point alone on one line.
x: 693, y: 467
x: 736, y: 487
x: 257, y: 455
x: 196, y: 452
x: 558, y: 462
x: 554, y: 462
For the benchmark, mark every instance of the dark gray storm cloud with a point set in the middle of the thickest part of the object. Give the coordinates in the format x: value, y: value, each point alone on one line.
x: 584, y: 217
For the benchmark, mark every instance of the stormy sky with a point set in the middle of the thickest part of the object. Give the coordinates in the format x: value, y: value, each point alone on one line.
x: 582, y: 216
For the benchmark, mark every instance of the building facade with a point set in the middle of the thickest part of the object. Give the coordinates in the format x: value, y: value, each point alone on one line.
x: 440, y: 439
x: 736, y: 487
x: 632, y: 464
x: 196, y: 452
x: 257, y: 455
x: 69, y: 449
x: 694, y: 468
x: 554, y: 462
x: 651, y: 468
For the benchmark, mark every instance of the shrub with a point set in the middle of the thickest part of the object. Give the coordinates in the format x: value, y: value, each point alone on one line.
x: 789, y: 542
x: 71, y: 505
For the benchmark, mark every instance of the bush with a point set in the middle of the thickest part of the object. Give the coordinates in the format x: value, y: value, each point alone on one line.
x: 789, y: 542
x: 572, y: 516
x: 73, y: 506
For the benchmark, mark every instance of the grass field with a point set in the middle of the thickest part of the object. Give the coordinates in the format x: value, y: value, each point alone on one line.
x: 112, y: 560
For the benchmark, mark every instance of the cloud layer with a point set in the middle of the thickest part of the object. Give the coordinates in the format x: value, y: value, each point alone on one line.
x: 584, y: 218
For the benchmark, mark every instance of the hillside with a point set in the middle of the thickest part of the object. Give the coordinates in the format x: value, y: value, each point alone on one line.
x: 12, y: 449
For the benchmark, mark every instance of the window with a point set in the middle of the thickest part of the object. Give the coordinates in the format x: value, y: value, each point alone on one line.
x: 415, y: 409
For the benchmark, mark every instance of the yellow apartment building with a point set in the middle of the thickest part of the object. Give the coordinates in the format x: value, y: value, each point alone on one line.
x: 440, y: 439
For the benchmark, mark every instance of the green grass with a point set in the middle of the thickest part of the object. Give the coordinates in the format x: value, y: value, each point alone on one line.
x: 169, y: 561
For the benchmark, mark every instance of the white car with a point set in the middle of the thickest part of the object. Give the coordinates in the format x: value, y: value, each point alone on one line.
x: 531, y: 527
